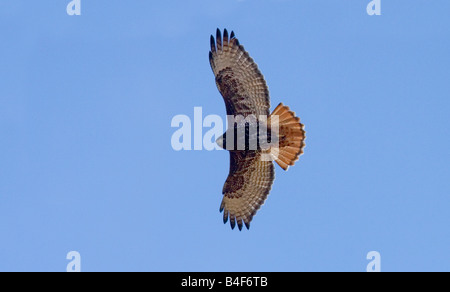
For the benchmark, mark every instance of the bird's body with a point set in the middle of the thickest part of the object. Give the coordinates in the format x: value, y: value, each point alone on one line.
x: 258, y: 136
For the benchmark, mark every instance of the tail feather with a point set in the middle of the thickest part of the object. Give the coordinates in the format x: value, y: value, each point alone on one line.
x: 291, y: 137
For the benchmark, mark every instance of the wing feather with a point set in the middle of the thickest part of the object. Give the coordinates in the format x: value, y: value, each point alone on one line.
x: 238, y: 78
x: 247, y: 187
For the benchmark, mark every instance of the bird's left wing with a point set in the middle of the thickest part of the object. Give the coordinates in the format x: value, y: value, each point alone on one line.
x: 247, y: 187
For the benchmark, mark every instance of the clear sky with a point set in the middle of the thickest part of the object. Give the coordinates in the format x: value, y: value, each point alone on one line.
x: 86, y: 162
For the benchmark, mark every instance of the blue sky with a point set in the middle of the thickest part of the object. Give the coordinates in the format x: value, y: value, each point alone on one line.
x: 86, y: 162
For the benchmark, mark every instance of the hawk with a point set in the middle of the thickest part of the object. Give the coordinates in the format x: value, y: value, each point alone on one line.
x: 246, y: 94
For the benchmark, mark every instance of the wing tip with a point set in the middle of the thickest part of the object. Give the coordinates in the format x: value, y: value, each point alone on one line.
x: 218, y: 39
x: 233, y: 220
x: 223, y: 40
x: 212, y: 42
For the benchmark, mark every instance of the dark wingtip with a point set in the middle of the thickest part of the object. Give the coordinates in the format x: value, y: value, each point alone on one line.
x: 232, y: 223
x: 232, y: 35
x: 225, y: 216
x: 247, y: 224
x: 225, y: 36
x: 218, y: 39
x: 212, y: 42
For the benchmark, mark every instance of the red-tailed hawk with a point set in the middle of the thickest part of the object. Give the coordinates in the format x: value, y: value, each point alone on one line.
x: 245, y: 93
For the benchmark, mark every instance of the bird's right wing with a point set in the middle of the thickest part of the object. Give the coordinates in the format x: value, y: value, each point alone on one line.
x: 238, y: 78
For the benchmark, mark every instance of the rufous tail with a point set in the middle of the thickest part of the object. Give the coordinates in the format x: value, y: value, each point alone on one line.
x: 291, y: 137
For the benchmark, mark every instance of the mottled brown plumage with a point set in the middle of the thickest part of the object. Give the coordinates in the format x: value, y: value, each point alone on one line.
x: 245, y: 93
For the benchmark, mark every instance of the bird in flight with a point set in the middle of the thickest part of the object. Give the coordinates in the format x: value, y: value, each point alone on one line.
x: 246, y: 95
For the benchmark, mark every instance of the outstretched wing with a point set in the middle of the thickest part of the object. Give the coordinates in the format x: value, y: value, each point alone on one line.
x: 238, y: 78
x: 247, y: 187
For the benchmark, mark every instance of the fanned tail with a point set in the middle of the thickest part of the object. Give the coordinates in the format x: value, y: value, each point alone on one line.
x: 291, y: 137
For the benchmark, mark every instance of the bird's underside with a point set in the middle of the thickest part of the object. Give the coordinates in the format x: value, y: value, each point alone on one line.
x: 246, y: 95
